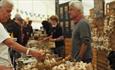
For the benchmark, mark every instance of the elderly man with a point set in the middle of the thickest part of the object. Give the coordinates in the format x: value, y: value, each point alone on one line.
x: 81, y: 35
x: 5, y: 40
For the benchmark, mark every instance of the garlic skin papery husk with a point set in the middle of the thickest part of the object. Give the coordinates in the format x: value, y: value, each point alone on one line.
x: 73, y: 66
x: 80, y: 66
x: 55, y: 68
x: 61, y: 67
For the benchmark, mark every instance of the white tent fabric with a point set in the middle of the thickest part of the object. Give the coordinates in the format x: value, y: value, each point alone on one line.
x: 34, y: 8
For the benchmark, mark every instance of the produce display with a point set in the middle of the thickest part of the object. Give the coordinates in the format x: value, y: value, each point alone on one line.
x: 102, y: 41
x: 103, y: 34
x: 51, y: 62
x: 73, y: 66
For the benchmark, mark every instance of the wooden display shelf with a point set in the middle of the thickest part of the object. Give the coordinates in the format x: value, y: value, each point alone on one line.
x: 102, y: 61
x: 94, y: 61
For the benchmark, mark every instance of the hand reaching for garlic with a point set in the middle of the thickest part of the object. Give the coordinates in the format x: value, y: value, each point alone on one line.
x: 38, y: 55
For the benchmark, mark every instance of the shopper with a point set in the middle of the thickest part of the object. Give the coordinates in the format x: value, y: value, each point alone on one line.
x: 81, y: 35
x: 47, y: 27
x: 29, y: 28
x: 57, y: 36
x: 17, y: 33
x: 6, y: 41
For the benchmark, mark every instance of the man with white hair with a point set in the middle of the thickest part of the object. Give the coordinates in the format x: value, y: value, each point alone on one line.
x: 81, y: 35
x: 5, y: 40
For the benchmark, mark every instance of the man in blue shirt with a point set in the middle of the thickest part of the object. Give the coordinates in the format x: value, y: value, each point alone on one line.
x: 81, y: 34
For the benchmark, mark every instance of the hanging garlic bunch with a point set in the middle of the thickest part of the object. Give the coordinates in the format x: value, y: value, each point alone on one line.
x: 108, y: 29
x: 109, y: 25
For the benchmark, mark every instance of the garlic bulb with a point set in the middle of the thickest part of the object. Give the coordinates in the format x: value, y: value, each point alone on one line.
x: 54, y: 68
x: 61, y: 67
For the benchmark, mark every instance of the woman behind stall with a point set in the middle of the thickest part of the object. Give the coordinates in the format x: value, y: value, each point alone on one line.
x: 57, y: 37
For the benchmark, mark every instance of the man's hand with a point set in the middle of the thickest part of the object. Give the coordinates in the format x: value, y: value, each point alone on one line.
x: 39, y: 56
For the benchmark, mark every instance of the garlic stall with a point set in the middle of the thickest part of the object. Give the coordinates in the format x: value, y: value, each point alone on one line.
x: 51, y: 62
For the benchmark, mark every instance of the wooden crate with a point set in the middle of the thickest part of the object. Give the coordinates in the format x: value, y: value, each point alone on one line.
x: 68, y: 46
x: 94, y: 60
x: 102, y: 61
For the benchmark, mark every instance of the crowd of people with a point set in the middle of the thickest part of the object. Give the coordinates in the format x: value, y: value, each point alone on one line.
x: 81, y: 36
